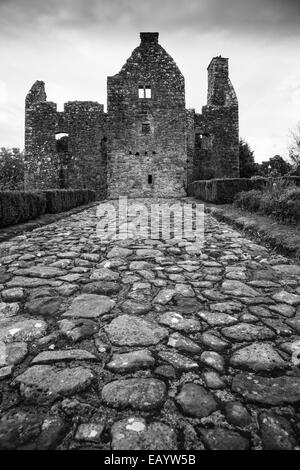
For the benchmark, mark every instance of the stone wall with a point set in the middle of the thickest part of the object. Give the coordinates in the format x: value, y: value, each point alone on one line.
x: 87, y: 145
x: 147, y: 135
x: 80, y: 160
x: 147, y: 144
x: 190, y: 144
x: 217, y: 128
x: 40, y: 143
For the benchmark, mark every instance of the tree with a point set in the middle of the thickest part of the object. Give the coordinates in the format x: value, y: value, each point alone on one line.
x: 11, y: 169
x: 294, y: 150
x: 276, y: 166
x: 277, y: 163
x: 248, y: 166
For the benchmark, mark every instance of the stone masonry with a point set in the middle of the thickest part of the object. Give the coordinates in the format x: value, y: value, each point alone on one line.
x: 216, y: 130
x: 142, y: 344
x: 147, y: 144
x: 147, y: 138
x: 76, y: 160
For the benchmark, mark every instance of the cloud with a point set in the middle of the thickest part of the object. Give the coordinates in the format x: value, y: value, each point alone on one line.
x: 266, y: 16
x: 290, y: 88
x: 3, y: 92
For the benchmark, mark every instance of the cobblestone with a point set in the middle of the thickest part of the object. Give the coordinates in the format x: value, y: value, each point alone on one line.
x: 135, y: 340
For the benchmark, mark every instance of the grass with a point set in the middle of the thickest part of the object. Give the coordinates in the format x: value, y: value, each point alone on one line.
x: 279, y: 199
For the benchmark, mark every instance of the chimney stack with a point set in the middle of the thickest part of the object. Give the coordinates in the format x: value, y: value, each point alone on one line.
x: 149, y: 38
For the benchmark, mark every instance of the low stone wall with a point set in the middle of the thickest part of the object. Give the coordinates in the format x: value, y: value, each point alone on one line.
x: 223, y: 191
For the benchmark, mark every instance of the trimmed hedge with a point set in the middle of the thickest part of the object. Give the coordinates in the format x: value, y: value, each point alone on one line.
x: 20, y: 206
x: 223, y: 191
x: 285, y: 207
x: 17, y: 207
x: 60, y: 200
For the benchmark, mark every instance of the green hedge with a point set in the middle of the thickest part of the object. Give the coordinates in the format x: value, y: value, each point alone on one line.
x: 20, y: 206
x: 60, y: 200
x: 284, y: 206
x: 17, y: 207
x: 223, y: 191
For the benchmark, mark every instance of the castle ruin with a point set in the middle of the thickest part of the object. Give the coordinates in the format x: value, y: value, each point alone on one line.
x: 146, y: 144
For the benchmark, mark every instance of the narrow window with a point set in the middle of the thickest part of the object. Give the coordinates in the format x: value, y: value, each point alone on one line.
x: 62, y: 149
x: 146, y: 128
x: 145, y: 91
x: 198, y: 140
x: 141, y: 92
x: 148, y: 92
x: 149, y: 179
x: 62, y: 142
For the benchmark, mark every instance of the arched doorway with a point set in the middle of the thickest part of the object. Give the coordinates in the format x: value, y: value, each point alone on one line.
x: 62, y: 149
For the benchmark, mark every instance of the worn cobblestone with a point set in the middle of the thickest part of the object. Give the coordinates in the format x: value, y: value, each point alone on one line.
x: 147, y: 338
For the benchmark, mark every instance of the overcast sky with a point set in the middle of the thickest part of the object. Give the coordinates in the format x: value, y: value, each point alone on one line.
x: 73, y: 45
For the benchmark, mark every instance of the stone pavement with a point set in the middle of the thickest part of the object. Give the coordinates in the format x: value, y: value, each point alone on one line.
x: 147, y: 344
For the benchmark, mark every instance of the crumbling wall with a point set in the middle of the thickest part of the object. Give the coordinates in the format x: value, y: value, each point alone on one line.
x: 147, y: 135
x: 217, y: 128
x: 190, y: 144
x: 81, y: 161
x: 40, y: 144
x: 87, y: 134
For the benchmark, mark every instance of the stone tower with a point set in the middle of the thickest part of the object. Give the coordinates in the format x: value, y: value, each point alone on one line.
x: 147, y: 124
x: 216, y: 130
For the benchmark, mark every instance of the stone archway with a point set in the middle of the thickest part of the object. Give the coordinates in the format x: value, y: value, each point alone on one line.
x: 63, y: 157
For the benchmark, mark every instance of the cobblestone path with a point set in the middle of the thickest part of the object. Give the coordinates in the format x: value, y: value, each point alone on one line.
x: 144, y: 344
